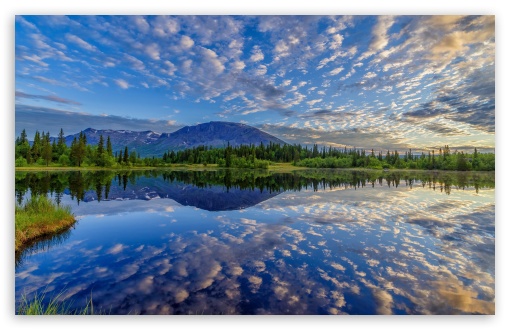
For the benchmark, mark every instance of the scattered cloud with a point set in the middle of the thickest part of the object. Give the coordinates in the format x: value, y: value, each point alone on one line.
x: 426, y: 77
x: 186, y: 42
x: 256, y: 54
x: 73, y: 122
x: 380, y: 37
x: 80, y: 42
x: 52, y: 98
x: 122, y: 83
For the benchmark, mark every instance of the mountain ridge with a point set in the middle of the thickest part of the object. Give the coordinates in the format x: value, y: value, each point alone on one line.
x: 149, y: 143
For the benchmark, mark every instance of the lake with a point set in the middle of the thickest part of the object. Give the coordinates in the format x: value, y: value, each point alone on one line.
x: 256, y: 242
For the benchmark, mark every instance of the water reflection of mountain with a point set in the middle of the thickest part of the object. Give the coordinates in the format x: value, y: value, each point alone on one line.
x: 229, y: 189
x: 211, y: 198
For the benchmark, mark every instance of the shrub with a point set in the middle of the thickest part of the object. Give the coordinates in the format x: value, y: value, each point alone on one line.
x: 64, y: 160
x: 21, y: 162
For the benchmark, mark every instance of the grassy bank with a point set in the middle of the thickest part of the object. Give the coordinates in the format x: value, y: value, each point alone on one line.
x: 272, y: 167
x: 39, y: 217
x: 57, y: 305
x: 40, y: 168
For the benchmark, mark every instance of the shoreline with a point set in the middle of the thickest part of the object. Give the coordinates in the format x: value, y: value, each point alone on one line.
x: 272, y: 168
x: 39, y: 218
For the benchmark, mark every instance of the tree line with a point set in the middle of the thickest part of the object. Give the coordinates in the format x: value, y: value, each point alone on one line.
x: 43, y: 151
x: 444, y: 159
x: 261, y: 156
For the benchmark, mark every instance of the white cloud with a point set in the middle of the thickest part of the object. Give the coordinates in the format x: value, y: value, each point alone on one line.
x: 122, y: 83
x: 312, y: 102
x: 153, y: 51
x: 136, y: 64
x: 336, y: 42
x: 260, y: 70
x: 26, y: 23
x: 186, y: 66
x: 171, y: 68
x: 336, y: 71
x: 380, y: 33
x: 286, y: 82
x: 80, y: 42
x: 256, y: 54
x: 165, y: 26
x: 281, y: 48
x: 141, y: 24
x: 186, y: 42
x: 238, y: 65
x: 35, y: 59
x: 212, y: 62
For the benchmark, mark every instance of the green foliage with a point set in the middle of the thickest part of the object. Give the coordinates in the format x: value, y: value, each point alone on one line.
x: 40, y: 216
x: 244, y: 156
x: 21, y: 162
x: 64, y: 160
x: 56, y: 305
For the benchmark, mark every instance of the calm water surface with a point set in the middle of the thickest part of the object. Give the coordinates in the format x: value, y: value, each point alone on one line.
x: 241, y: 242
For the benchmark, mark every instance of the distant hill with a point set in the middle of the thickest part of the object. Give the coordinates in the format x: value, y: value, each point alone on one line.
x: 148, y: 143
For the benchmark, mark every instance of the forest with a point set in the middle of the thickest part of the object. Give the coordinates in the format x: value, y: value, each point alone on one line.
x: 45, y: 151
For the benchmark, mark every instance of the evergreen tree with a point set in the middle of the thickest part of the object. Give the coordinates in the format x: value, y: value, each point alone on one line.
x: 132, y: 157
x: 315, y: 152
x: 296, y: 156
x: 23, y: 136
x: 78, y: 149
x: 228, y: 155
x: 36, y: 146
x: 22, y: 147
x: 82, y: 147
x: 100, y: 146
x: 109, y: 149
x: 74, y: 151
x: 462, y: 164
x: 61, y: 143
x: 126, y: 155
x: 101, y: 156
x: 46, y: 149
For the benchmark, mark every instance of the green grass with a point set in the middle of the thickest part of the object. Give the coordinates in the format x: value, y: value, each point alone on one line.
x: 56, y: 306
x: 40, y: 217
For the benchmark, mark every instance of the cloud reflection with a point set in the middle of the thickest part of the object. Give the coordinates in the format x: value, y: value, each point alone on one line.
x: 326, y: 252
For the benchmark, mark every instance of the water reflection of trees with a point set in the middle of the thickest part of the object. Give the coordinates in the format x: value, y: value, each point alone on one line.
x: 77, y: 183
x: 41, y: 244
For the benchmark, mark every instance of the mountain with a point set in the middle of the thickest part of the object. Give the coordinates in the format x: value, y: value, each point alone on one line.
x: 215, y: 134
x: 148, y: 143
x: 119, y: 138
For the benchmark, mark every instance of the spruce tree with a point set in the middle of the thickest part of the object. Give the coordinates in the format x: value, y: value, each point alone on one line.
x: 23, y: 136
x: 126, y: 155
x: 100, y: 146
x: 61, y: 143
x: 46, y: 149
x: 109, y: 149
x: 36, y: 146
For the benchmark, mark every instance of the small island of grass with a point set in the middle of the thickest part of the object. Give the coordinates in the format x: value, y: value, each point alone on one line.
x: 40, y: 217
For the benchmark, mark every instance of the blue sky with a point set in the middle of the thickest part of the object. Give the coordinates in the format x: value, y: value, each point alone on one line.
x: 382, y: 82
